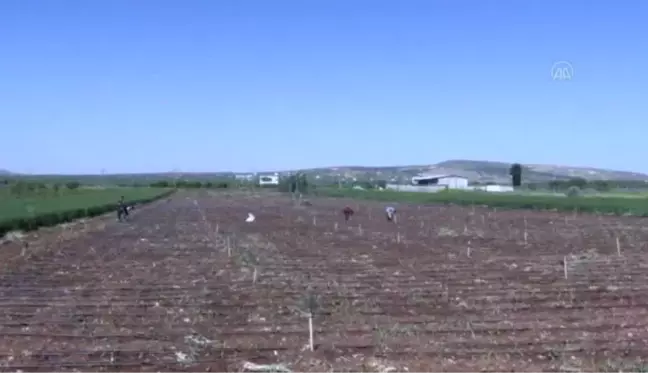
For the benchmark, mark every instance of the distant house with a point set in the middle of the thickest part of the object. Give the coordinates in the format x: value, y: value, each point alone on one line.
x: 265, y: 180
x: 449, y: 181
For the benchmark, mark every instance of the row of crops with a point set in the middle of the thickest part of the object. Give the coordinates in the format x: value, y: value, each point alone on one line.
x: 601, y: 204
x: 40, y: 209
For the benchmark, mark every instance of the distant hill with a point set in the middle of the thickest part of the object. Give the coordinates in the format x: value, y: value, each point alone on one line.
x: 475, y: 171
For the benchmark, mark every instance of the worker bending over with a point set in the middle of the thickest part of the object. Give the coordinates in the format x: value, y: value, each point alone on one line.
x: 390, y: 212
x: 122, y: 209
x: 348, y: 212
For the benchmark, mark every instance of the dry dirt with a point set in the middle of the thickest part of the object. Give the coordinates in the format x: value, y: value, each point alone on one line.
x: 446, y: 288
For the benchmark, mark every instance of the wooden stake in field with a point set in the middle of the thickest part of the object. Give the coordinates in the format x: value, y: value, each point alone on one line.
x: 565, y: 266
x: 25, y: 246
x: 229, y: 247
x: 360, y: 229
x: 398, y: 237
x: 468, y: 251
x: 311, y: 305
x: 314, y: 220
x: 335, y: 226
x: 618, y: 246
x: 526, y: 234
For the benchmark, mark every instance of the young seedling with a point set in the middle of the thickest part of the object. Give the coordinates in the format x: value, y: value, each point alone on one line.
x: 250, y: 260
x: 310, y: 304
x: 470, y: 329
x: 565, y: 266
x: 526, y: 234
x: 25, y: 247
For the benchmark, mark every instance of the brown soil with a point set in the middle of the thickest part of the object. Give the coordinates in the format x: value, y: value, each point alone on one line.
x: 444, y: 289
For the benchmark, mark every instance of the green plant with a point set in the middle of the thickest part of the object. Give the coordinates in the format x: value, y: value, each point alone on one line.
x: 573, y: 191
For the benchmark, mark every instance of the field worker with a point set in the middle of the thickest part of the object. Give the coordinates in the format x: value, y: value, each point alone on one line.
x: 348, y: 212
x: 121, y: 209
x: 391, y: 213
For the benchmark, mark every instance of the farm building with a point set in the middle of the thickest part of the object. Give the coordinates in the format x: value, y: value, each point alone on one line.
x: 269, y: 180
x: 248, y: 177
x: 449, y: 181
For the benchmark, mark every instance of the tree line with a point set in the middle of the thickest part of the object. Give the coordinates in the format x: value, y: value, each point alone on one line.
x: 516, y: 172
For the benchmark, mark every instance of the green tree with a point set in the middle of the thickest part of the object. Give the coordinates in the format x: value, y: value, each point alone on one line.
x: 577, y: 182
x: 573, y: 191
x: 18, y: 188
x: 160, y: 184
x: 516, y: 174
x: 296, y: 184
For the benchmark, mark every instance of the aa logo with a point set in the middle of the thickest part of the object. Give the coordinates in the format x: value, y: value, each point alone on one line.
x: 562, y: 70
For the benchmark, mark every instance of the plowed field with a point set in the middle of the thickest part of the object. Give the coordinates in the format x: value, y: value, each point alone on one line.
x: 188, y: 285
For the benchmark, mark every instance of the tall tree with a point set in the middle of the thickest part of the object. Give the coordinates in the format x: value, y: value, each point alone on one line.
x: 516, y: 174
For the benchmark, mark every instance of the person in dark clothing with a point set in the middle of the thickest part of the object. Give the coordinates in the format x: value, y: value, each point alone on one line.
x: 348, y: 212
x: 122, y: 209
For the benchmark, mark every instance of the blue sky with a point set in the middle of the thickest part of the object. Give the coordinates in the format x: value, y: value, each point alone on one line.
x: 214, y: 85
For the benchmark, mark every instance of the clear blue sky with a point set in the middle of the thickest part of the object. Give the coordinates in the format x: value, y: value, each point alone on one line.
x: 214, y: 85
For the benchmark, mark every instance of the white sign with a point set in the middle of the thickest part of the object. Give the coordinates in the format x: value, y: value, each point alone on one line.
x: 562, y: 70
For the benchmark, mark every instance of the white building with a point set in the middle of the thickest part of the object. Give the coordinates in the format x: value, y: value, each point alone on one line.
x: 247, y: 177
x: 449, y: 181
x: 265, y: 180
